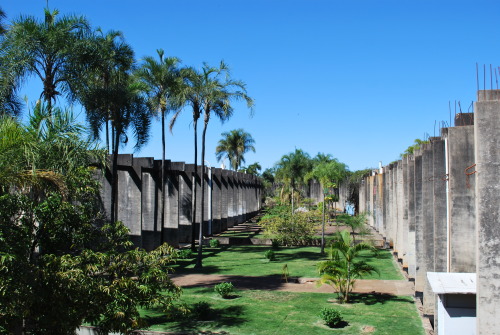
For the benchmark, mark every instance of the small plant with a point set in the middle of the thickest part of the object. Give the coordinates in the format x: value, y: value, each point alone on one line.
x: 185, y: 254
x: 214, y: 243
x: 270, y: 255
x: 331, y: 317
x: 225, y: 290
x: 202, y: 311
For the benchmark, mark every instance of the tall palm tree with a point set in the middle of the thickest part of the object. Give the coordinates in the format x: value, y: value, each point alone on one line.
x: 2, y: 27
x: 234, y: 145
x: 208, y: 91
x: 50, y: 50
x: 110, y: 55
x: 162, y: 82
x: 9, y: 102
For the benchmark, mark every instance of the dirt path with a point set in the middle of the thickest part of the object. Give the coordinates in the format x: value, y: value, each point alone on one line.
x: 393, y: 287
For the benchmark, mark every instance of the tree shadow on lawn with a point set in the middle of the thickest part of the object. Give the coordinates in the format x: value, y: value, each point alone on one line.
x: 298, y: 256
x: 229, y: 316
x: 270, y: 282
x: 375, y: 298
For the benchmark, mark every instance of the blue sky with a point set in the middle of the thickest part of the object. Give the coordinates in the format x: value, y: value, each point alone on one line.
x: 359, y: 80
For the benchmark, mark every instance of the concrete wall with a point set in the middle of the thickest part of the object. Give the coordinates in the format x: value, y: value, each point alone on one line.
x: 234, y: 197
x: 440, y: 207
x: 487, y: 186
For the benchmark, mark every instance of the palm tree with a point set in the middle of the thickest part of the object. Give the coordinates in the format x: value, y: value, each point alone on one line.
x: 162, y: 83
x: 329, y: 172
x: 128, y: 108
x: 110, y: 55
x: 234, y: 145
x: 292, y: 169
x: 2, y: 27
x: 252, y: 169
x: 208, y: 93
x: 50, y: 50
x: 9, y: 102
x: 342, y: 267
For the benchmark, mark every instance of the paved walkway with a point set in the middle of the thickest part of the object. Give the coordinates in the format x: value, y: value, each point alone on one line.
x: 393, y: 287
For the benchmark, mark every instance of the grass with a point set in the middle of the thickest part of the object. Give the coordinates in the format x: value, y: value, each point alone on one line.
x: 269, y: 312
x: 301, y: 262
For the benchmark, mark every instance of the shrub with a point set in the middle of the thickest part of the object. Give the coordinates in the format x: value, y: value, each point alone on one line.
x: 270, y: 255
x: 202, y: 311
x: 281, y: 226
x: 185, y: 254
x: 225, y: 290
x: 214, y: 243
x: 331, y: 317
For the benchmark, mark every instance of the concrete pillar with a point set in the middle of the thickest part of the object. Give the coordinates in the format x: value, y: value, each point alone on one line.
x: 399, y: 180
x: 420, y: 275
x: 173, y: 204
x: 379, y: 214
x: 371, y: 202
x: 150, y: 201
x: 230, y: 199
x: 487, y: 158
x: 185, y: 203
x: 460, y: 141
x: 216, y: 201
x: 129, y: 198
x: 411, y: 236
x: 428, y: 226
x: 439, y: 205
x: 387, y: 195
x: 224, y: 208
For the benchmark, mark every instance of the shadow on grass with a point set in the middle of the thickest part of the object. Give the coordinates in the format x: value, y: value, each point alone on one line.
x: 229, y: 316
x: 375, y: 298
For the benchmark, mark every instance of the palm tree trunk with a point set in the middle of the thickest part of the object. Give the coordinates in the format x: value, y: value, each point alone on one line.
x: 107, y: 135
x: 323, y: 228
x: 195, y: 175
x: 114, y: 177
x: 200, y: 235
x: 163, y: 188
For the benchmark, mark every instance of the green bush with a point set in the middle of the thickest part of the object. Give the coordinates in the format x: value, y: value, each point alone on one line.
x: 214, y: 243
x: 225, y: 290
x: 185, y: 254
x: 331, y: 317
x: 287, y: 230
x: 270, y: 255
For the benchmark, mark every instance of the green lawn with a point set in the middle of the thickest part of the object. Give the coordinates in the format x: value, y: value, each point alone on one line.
x: 301, y: 262
x: 269, y: 312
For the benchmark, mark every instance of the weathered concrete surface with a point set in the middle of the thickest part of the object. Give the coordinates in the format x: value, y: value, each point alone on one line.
x: 439, y: 205
x: 428, y: 225
x: 462, y: 211
x: 419, y: 225
x: 411, y: 236
x: 487, y: 158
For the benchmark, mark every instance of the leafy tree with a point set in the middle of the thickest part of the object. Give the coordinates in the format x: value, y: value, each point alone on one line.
x: 291, y: 170
x: 56, y: 256
x: 343, y: 267
x: 52, y: 50
x: 234, y: 145
x: 162, y: 82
